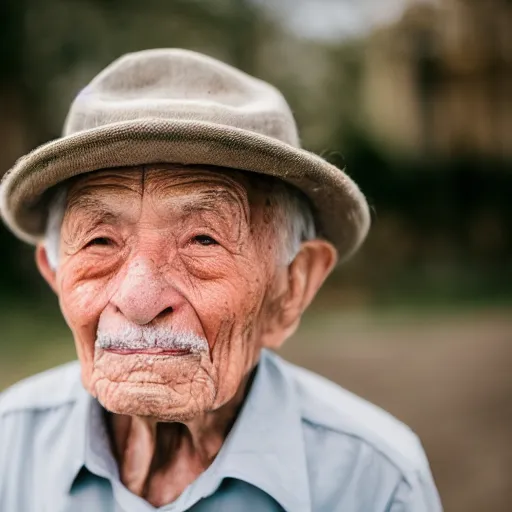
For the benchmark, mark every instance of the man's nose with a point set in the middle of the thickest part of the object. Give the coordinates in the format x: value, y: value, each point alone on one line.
x: 144, y: 294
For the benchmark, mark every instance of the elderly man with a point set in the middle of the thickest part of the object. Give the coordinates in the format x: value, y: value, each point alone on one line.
x: 185, y: 233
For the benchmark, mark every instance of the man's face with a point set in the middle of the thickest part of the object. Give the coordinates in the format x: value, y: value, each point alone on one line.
x: 149, y: 252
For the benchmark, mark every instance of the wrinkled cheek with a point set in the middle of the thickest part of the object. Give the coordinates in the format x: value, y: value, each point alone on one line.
x: 228, y: 312
x: 236, y: 349
x: 81, y: 306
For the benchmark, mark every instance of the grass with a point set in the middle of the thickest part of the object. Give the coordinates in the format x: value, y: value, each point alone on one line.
x: 34, y: 338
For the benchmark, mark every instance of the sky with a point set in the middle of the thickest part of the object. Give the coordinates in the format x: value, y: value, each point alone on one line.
x: 335, y: 19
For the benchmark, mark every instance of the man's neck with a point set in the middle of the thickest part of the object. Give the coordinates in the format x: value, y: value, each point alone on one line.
x: 158, y: 460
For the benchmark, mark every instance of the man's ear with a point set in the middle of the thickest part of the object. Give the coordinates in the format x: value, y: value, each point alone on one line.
x: 305, y: 275
x: 310, y: 269
x: 44, y: 266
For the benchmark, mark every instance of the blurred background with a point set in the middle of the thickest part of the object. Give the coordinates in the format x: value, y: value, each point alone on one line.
x: 414, y: 96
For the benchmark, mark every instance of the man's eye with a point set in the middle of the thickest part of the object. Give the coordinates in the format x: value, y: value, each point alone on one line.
x: 102, y: 240
x: 204, y: 240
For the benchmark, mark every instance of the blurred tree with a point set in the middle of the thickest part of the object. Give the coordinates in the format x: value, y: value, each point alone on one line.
x: 394, y: 106
x: 15, y: 103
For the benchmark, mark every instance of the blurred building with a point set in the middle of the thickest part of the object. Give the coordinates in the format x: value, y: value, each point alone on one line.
x: 438, y: 82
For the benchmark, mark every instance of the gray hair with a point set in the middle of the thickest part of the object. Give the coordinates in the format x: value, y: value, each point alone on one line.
x: 135, y: 337
x: 56, y: 210
x: 292, y: 211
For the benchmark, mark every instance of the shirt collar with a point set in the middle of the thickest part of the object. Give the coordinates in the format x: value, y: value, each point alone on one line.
x: 266, y: 444
x: 265, y: 447
x: 73, y: 439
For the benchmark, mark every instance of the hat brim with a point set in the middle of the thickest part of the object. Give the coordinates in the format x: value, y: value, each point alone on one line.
x: 340, y: 208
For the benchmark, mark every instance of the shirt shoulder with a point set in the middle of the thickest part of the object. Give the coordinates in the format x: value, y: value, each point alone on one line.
x: 358, y: 456
x: 52, y: 388
x: 325, y: 405
x: 40, y: 437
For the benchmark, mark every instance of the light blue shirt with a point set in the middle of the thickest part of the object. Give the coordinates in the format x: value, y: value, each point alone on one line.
x: 299, y: 444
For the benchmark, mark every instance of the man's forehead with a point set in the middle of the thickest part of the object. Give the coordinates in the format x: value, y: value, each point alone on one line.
x: 173, y: 187
x: 160, y: 176
x: 162, y: 180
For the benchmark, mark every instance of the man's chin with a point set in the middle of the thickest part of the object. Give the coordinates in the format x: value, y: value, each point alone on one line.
x: 163, y: 387
x: 147, y: 399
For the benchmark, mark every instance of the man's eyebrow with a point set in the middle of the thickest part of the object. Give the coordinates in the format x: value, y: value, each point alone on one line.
x: 216, y: 201
x: 96, y: 208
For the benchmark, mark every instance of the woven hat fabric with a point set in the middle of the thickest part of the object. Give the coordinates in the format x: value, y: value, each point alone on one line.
x: 178, y: 106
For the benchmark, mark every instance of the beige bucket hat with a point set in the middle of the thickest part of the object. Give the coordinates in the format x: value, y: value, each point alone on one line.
x: 178, y: 106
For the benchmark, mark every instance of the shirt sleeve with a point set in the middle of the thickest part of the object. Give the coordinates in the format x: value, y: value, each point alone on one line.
x: 417, y: 493
x: 5, y: 457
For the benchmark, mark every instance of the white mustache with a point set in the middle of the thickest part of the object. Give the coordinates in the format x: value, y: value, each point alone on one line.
x: 144, y: 337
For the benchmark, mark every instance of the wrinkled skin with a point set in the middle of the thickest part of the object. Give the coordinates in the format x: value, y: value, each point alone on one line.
x: 193, y: 249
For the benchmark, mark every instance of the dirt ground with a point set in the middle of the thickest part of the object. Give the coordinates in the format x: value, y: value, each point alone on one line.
x: 448, y: 377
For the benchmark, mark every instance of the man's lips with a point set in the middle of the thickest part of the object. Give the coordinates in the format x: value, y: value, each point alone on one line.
x: 150, y: 351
